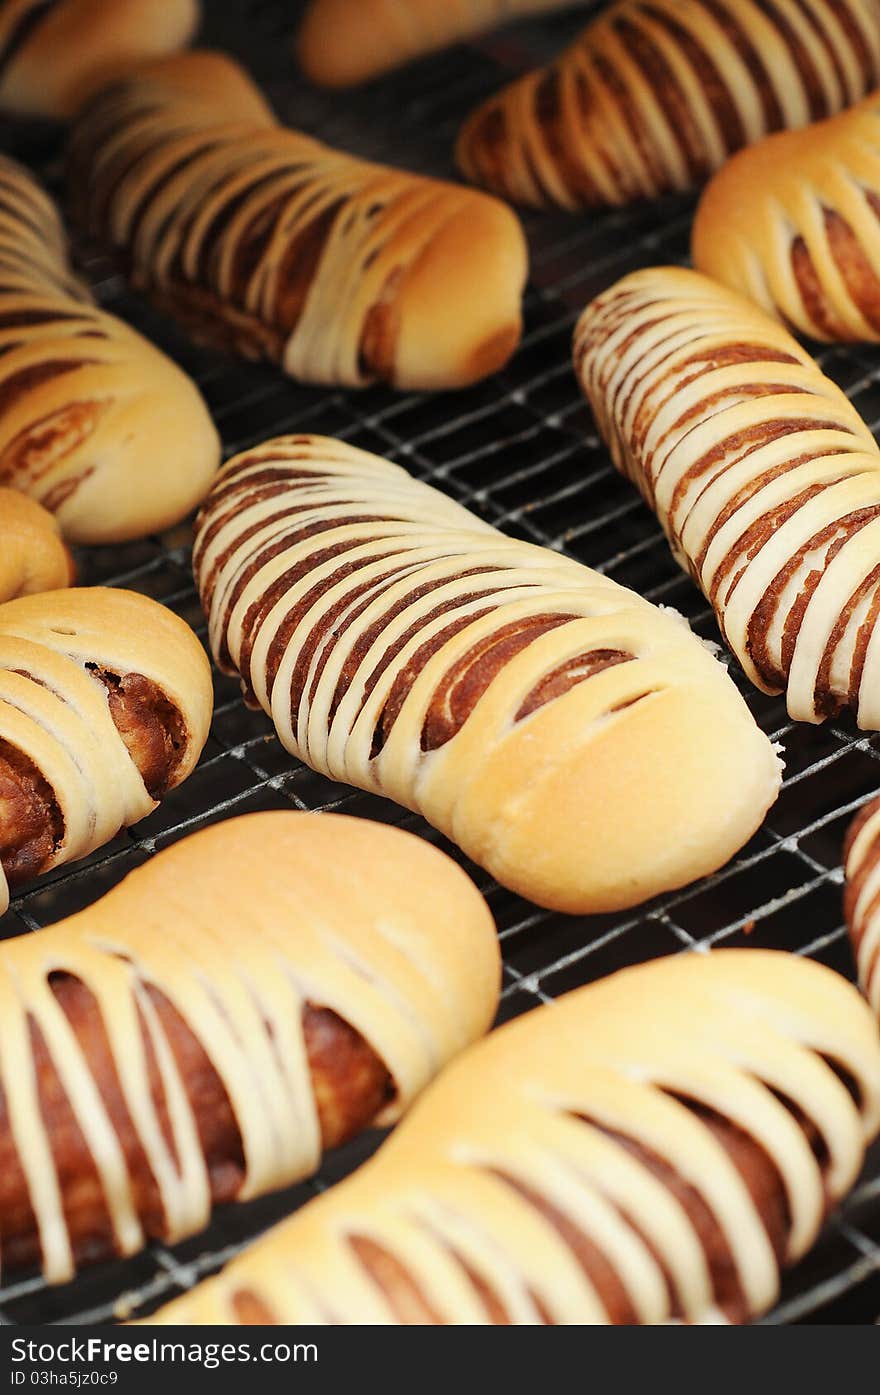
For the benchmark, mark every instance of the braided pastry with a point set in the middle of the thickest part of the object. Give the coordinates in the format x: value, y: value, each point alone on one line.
x: 862, y: 897
x: 55, y: 53
x: 95, y: 423
x: 654, y: 1146
x: 794, y: 224
x: 32, y: 556
x: 764, y: 477
x: 263, y: 240
x: 656, y: 94
x: 105, y: 703
x: 573, y: 739
x: 342, y: 42
x: 253, y: 995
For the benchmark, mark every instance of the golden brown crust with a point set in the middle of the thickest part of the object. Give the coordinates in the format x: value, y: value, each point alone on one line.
x: 185, y: 1042
x: 794, y: 225
x: 95, y: 423
x: 33, y: 556
x: 105, y: 703
x: 55, y: 53
x: 656, y: 94
x: 763, y: 474
x: 526, y: 706
x: 659, y: 1146
x: 343, y: 42
x: 265, y: 241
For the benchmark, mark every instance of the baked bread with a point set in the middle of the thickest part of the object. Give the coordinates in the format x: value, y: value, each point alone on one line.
x: 253, y: 995
x: 32, y: 555
x: 262, y: 240
x: 862, y: 897
x: 656, y: 94
x: 342, y: 42
x: 653, y: 1147
x: 573, y: 739
x: 764, y: 477
x: 55, y: 53
x: 105, y: 704
x: 95, y: 423
x: 794, y: 224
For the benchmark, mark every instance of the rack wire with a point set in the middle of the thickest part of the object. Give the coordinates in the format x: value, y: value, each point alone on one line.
x: 521, y: 451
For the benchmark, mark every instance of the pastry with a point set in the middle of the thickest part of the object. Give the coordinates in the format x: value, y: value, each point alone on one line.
x: 251, y: 996
x: 105, y: 704
x: 95, y: 423
x: 656, y: 94
x: 654, y: 1147
x: 764, y: 477
x: 794, y: 224
x: 32, y: 555
x: 862, y: 897
x: 265, y: 241
x: 54, y: 53
x: 342, y: 42
x: 576, y: 741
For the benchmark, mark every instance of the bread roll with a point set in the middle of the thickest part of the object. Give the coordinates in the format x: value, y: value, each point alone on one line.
x: 656, y: 94
x: 577, y: 742
x: 764, y: 477
x: 794, y: 225
x: 862, y: 897
x: 262, y: 240
x: 95, y: 423
x: 105, y: 704
x: 32, y: 555
x: 55, y: 53
x: 342, y: 42
x: 253, y: 994
x: 654, y: 1147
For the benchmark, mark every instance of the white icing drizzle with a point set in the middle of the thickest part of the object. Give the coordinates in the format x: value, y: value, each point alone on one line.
x: 438, y: 1198
x: 401, y: 644
x: 240, y: 928
x: 764, y: 477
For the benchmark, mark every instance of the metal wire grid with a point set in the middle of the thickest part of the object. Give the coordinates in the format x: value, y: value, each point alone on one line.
x: 521, y: 451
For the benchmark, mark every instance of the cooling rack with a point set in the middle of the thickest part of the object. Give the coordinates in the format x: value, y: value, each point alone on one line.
x: 521, y: 451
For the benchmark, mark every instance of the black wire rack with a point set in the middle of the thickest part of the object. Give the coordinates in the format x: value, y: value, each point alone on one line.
x: 520, y: 450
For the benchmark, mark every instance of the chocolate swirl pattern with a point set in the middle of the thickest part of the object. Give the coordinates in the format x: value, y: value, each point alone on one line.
x: 794, y: 224
x: 656, y: 94
x: 263, y: 240
x: 862, y: 897
x: 95, y: 423
x: 55, y: 53
x: 764, y: 477
x: 105, y: 703
x: 656, y: 1146
x: 342, y: 42
x: 184, y: 1042
x: 573, y: 739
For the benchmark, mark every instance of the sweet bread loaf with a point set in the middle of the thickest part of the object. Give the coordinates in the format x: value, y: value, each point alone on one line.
x: 252, y: 995
x: 32, y: 555
x: 794, y: 224
x: 862, y: 897
x: 342, y: 42
x: 105, y: 703
x: 656, y: 94
x: 576, y: 741
x: 262, y: 240
x: 764, y: 477
x: 656, y: 1146
x: 95, y: 423
x: 55, y: 53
